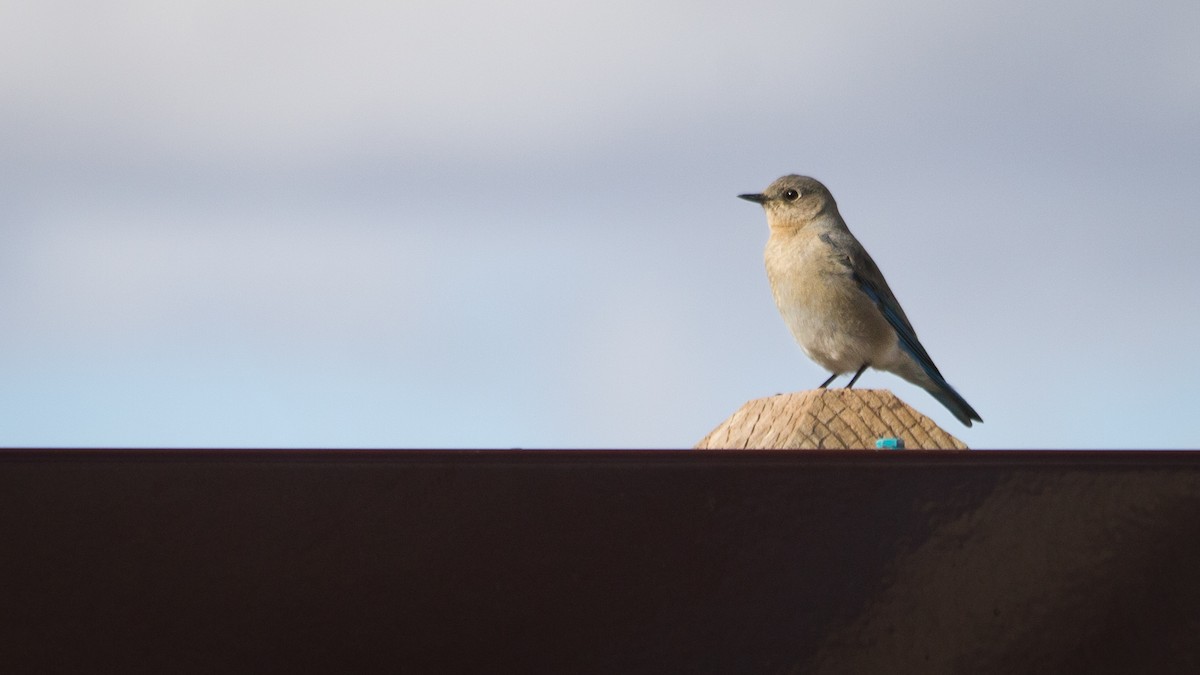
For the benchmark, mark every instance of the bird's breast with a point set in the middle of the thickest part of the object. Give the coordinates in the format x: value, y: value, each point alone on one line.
x: 833, y: 321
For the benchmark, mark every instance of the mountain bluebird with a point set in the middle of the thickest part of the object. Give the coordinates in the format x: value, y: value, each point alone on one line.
x: 833, y: 297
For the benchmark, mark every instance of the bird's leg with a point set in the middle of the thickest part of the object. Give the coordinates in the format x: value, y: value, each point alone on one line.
x: 855, y: 378
x: 826, y: 382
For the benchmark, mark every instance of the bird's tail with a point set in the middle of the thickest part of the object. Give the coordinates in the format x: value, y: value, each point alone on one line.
x: 956, y: 404
x: 922, y: 372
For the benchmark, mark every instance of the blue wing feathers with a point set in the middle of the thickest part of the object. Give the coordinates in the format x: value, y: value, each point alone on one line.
x: 943, y: 392
x: 855, y: 259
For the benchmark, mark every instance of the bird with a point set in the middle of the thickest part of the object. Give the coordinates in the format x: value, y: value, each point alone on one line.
x: 833, y: 297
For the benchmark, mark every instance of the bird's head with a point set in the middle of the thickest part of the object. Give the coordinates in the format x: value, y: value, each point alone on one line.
x: 793, y: 202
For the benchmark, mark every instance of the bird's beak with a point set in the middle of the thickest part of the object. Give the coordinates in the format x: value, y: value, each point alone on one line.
x: 757, y: 199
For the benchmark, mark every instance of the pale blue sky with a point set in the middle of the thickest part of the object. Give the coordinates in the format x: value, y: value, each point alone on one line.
x: 439, y: 224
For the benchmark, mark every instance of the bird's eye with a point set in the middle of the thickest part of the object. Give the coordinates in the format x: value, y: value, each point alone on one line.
x: 791, y: 195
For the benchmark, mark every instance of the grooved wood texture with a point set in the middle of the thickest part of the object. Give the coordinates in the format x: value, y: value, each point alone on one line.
x: 828, y: 419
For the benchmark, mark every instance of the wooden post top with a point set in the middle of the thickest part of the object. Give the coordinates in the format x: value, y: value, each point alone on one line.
x: 828, y: 419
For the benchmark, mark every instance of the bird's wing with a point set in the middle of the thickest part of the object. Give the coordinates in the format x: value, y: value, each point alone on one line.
x: 871, y: 282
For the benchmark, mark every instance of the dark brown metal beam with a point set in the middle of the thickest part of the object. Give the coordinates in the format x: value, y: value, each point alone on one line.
x: 691, y: 561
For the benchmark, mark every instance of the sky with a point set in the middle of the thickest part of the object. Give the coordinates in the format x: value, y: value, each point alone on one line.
x: 459, y: 224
